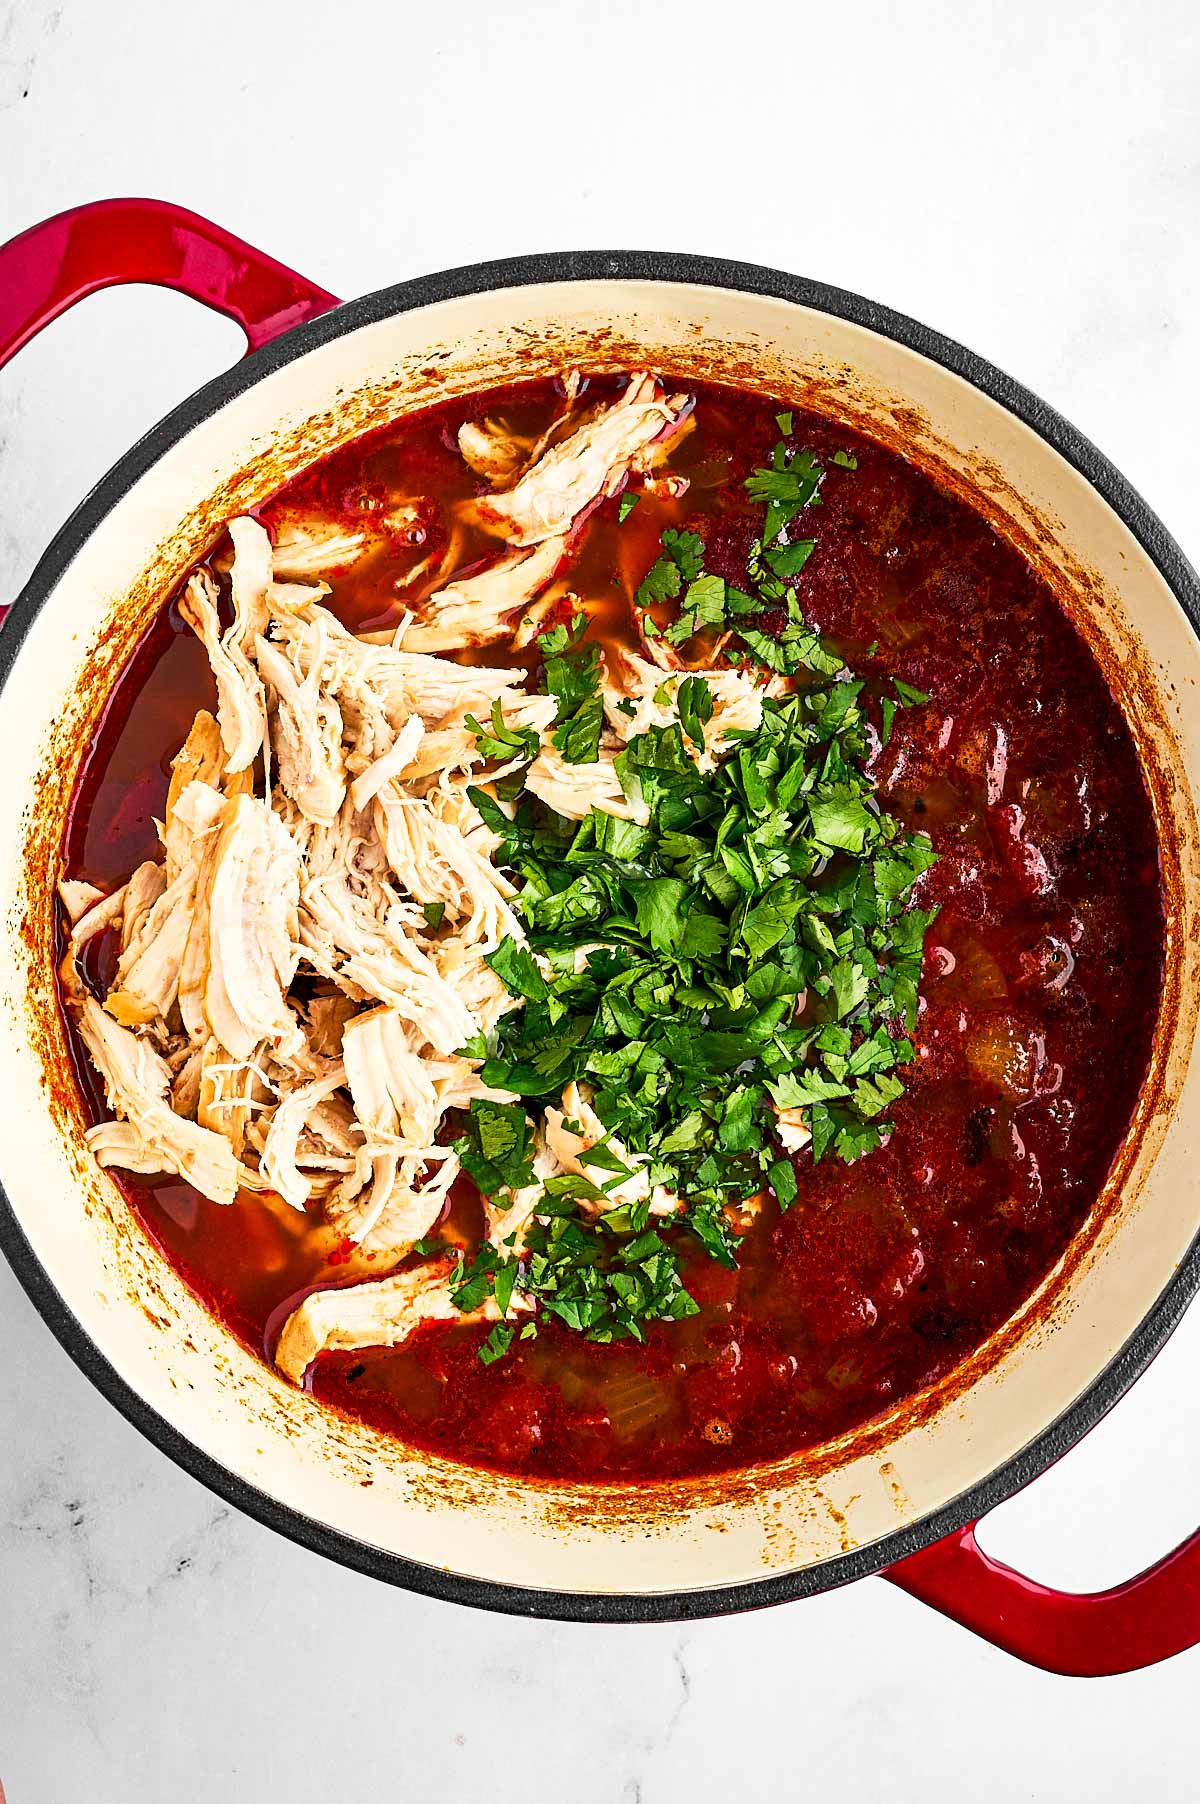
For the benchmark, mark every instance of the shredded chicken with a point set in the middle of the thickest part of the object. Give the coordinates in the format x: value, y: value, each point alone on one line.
x: 792, y: 1129
x: 308, y: 545
x: 498, y: 454
x: 397, y: 761
x: 533, y: 619
x: 394, y: 1099
x: 308, y: 731
x: 371, y: 1315
x: 160, y: 910
x: 357, y: 931
x: 379, y: 687
x: 100, y: 918
x: 228, y: 1093
x: 401, y: 1177
x: 593, y: 462
x: 574, y: 790
x: 281, y: 1155
x: 510, y: 1217
x: 571, y: 1148
x: 241, y: 702
x: 737, y: 702
x: 201, y: 759
x: 136, y: 1082
x: 314, y: 547
x: 297, y: 971
x: 77, y: 898
x: 147, y: 885
x: 253, y: 899
x: 434, y: 862
x: 491, y: 450
x: 411, y: 1208
x: 647, y: 464
x: 479, y: 608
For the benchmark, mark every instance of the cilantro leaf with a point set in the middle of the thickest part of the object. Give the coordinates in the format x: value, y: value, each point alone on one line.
x: 787, y: 487
x: 497, y: 1343
x: 659, y: 904
x: 571, y: 673
x: 660, y: 583
x: 781, y: 1176
x: 703, y: 605
x: 843, y: 824
x: 572, y: 668
x: 578, y: 737
x: 494, y: 1150
x: 502, y: 743
x: 517, y: 970
x: 790, y: 559
x: 686, y: 549
x: 695, y: 706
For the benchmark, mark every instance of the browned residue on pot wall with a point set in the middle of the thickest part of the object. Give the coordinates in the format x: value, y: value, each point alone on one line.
x: 135, y: 1270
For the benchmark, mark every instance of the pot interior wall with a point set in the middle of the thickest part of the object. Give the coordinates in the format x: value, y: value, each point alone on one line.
x: 130, y: 1302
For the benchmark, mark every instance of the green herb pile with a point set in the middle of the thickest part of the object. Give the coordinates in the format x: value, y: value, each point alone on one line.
x: 751, y: 947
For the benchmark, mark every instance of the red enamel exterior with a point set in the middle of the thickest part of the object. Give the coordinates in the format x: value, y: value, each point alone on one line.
x: 53, y: 265
x: 1086, y: 1635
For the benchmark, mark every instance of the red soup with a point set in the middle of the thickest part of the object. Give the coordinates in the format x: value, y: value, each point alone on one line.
x: 893, y: 1255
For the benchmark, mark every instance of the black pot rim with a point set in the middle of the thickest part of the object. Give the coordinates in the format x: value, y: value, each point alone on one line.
x: 1105, y: 1389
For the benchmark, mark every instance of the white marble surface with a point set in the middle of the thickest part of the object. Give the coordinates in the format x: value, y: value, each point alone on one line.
x: 1024, y: 176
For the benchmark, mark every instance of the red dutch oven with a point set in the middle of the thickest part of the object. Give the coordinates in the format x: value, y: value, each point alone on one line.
x: 900, y: 1497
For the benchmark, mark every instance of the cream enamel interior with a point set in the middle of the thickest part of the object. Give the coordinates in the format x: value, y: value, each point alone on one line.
x: 145, y: 1322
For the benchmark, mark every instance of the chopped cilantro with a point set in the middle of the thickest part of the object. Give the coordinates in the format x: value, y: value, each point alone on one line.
x: 502, y: 743
x: 578, y: 737
x: 660, y: 583
x: 687, y: 551
x: 497, y: 1343
x: 695, y: 705
x: 517, y: 970
x: 781, y: 1176
x: 680, y: 562
x: 790, y: 559
x: 843, y: 824
x: 626, y: 507
x: 494, y: 1149
x: 703, y: 605
x: 790, y: 484
x: 571, y: 671
x: 659, y: 904
x: 747, y: 945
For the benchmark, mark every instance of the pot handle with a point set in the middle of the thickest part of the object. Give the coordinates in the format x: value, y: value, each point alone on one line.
x: 1080, y: 1634
x: 54, y: 264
